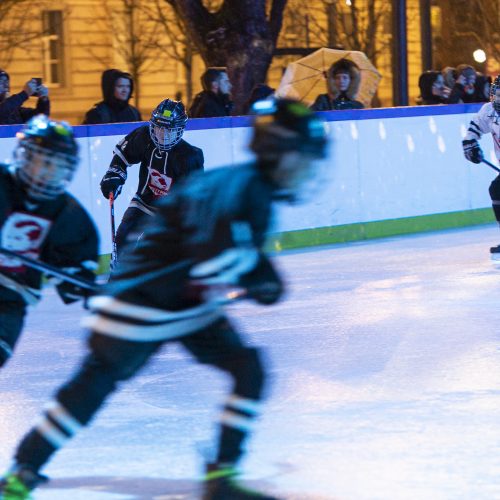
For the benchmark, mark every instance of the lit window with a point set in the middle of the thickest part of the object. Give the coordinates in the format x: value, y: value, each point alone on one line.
x: 53, y: 48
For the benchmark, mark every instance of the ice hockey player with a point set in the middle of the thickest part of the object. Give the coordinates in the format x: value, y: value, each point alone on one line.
x: 487, y: 121
x: 40, y: 220
x: 207, y: 234
x: 164, y: 157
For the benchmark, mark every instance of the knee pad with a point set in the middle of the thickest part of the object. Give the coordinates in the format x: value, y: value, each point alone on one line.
x: 87, y: 390
x: 248, y: 372
x: 5, y: 352
x: 494, y: 189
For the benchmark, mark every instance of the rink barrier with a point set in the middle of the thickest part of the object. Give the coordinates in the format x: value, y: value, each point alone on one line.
x: 391, y: 171
x: 377, y: 229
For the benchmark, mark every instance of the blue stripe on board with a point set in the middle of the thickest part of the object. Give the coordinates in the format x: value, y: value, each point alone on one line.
x: 245, y: 121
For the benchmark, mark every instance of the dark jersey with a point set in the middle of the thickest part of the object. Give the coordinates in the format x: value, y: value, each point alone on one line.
x: 159, y: 170
x: 215, y: 211
x: 58, y: 232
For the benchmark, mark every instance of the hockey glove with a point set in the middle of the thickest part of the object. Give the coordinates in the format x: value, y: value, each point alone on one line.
x: 472, y: 151
x: 112, y: 182
x: 263, y: 283
x: 70, y: 292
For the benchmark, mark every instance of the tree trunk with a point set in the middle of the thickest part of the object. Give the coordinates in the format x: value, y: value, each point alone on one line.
x: 240, y: 36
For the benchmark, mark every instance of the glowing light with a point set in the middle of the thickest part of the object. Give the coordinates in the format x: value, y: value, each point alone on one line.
x: 381, y: 130
x: 354, y: 131
x: 410, y: 143
x: 441, y: 144
x: 479, y: 55
x: 348, y: 2
x: 432, y: 125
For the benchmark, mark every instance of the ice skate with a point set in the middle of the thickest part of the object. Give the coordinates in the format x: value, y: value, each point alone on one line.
x: 18, y: 483
x: 495, y: 253
x: 220, y: 484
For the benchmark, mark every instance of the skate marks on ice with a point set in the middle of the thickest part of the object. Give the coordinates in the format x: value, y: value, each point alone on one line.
x: 141, y: 488
x: 118, y: 488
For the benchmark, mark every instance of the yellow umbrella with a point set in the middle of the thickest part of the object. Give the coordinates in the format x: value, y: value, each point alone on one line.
x: 305, y: 78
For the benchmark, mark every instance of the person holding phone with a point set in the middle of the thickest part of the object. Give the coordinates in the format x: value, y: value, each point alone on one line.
x: 12, y: 111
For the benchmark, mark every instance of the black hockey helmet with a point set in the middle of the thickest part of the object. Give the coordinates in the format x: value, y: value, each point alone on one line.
x: 493, y: 97
x: 167, y: 124
x: 46, y: 157
x: 283, y: 125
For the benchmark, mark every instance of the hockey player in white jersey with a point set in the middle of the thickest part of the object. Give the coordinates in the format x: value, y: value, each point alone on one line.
x: 484, y: 122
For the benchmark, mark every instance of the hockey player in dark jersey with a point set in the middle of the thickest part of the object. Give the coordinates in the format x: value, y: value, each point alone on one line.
x: 208, y: 234
x: 165, y: 159
x: 38, y: 219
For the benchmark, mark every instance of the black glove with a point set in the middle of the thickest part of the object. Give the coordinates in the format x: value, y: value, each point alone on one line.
x: 472, y: 151
x: 263, y: 283
x: 70, y: 292
x: 112, y: 182
x: 266, y: 293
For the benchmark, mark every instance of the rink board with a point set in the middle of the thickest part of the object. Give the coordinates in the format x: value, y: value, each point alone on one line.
x: 388, y: 171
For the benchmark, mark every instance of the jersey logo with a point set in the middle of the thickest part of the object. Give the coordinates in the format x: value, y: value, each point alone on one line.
x: 22, y: 233
x: 159, y: 183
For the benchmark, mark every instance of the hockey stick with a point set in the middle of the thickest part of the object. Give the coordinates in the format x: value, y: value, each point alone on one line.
x: 112, y: 263
x: 48, y: 269
x: 491, y: 165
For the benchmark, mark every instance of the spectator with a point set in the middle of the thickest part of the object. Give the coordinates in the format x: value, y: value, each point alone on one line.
x: 117, y: 88
x: 259, y: 92
x: 343, y: 86
x: 11, y: 110
x: 482, y: 88
x: 464, y: 89
x: 215, y: 98
x: 432, y: 88
x: 450, y: 75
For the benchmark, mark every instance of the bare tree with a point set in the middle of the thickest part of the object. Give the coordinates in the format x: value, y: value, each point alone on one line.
x: 17, y: 30
x: 466, y: 26
x: 135, y: 38
x: 238, y: 34
x: 173, y: 43
x: 353, y: 25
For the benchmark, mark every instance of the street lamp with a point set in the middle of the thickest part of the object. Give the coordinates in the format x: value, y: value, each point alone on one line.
x: 479, y: 55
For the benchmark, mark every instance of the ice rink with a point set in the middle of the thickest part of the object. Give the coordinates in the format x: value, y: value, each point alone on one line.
x: 385, y: 384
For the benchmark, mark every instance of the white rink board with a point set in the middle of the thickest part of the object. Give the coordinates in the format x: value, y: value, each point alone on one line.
x: 382, y: 164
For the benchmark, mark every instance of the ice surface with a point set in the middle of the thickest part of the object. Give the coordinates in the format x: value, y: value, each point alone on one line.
x: 384, y: 367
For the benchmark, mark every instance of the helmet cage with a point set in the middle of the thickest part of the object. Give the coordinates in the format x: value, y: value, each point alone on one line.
x: 495, y: 100
x: 164, y: 135
x: 44, y: 173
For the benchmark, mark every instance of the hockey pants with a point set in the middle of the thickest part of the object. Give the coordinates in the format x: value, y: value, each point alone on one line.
x: 112, y: 360
x: 495, y: 197
x: 130, y: 229
x: 12, y: 315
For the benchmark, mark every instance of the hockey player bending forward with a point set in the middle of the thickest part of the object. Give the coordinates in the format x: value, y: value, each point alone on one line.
x: 38, y: 219
x: 165, y: 159
x: 207, y: 232
x: 487, y: 121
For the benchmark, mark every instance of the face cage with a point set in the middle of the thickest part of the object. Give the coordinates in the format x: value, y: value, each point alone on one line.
x: 44, y: 174
x: 165, y: 138
x: 495, y: 100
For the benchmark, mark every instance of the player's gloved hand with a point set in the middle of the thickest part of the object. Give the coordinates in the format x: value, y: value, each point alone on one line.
x: 112, y: 182
x: 472, y: 151
x: 69, y: 292
x: 266, y: 293
x: 263, y: 283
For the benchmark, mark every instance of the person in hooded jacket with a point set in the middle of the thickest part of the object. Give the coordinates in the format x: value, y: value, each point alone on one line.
x: 432, y: 88
x: 117, y: 88
x: 12, y: 111
x: 343, y: 85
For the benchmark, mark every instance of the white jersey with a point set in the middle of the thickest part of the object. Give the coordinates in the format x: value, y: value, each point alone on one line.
x: 486, y: 121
